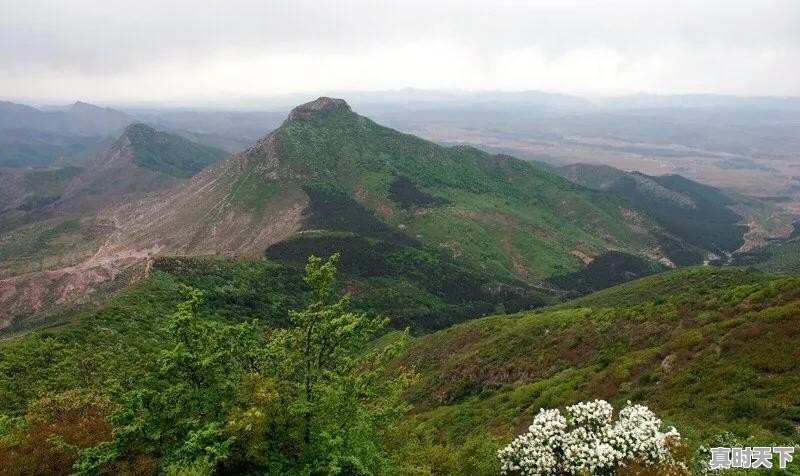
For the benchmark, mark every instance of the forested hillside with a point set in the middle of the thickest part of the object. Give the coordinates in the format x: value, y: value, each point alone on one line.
x: 697, y: 345
x: 699, y: 215
x: 712, y: 351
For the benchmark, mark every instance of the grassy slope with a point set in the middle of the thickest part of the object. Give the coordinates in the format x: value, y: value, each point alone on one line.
x: 698, y: 345
x: 500, y: 214
x: 708, y: 349
x: 699, y: 215
x: 169, y: 154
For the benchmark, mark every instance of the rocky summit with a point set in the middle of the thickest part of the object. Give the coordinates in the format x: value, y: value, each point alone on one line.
x: 318, y: 107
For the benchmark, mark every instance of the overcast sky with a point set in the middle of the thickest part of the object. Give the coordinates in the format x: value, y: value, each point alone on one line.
x: 193, y: 50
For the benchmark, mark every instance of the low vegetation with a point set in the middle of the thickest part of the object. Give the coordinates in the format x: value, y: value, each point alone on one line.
x: 206, y: 396
x: 782, y: 256
x: 696, y: 345
x: 201, y: 388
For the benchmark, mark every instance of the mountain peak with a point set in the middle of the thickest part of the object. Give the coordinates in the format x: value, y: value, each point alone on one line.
x: 319, y: 106
x: 137, y: 132
x: 164, y: 152
x: 138, y: 127
x: 80, y: 105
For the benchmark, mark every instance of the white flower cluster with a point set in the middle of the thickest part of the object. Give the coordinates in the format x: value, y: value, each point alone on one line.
x: 587, y: 441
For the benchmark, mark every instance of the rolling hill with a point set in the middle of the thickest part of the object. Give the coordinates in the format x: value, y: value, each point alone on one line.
x: 697, y: 345
x: 698, y: 215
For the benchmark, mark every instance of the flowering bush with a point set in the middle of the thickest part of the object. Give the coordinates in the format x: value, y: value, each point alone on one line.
x: 588, y: 442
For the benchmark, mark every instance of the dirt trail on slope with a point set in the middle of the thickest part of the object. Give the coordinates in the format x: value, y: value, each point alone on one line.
x: 54, y: 290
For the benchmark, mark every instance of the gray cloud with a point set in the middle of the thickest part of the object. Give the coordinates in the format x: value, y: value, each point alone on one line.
x: 179, y: 49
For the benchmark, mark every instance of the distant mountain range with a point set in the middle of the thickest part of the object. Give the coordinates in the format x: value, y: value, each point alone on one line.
x: 744, y: 126
x: 141, y: 160
x: 32, y: 137
x: 36, y: 138
x: 458, y: 231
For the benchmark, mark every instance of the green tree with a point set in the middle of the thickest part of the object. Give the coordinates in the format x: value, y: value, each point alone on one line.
x: 311, y: 399
x: 344, y: 396
x: 180, y: 413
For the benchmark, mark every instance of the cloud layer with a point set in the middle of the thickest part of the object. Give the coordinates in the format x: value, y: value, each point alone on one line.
x: 181, y: 50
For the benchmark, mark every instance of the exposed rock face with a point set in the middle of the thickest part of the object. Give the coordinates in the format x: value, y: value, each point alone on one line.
x: 319, y: 106
x: 263, y: 160
x: 48, y: 293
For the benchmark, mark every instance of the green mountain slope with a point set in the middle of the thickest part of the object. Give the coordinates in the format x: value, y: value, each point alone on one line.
x: 169, y: 154
x: 54, y: 231
x: 30, y: 137
x: 331, y: 180
x: 712, y: 350
x: 473, y: 233
x: 699, y: 216
x: 501, y: 216
x: 140, y: 160
x: 779, y: 256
